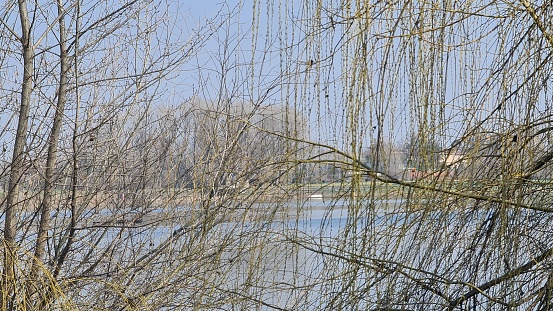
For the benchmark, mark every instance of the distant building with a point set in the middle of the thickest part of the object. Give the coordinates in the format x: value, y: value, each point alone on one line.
x: 452, y: 161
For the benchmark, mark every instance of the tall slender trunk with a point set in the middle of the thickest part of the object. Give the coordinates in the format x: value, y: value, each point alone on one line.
x: 46, y: 205
x: 17, y: 164
x: 70, y: 232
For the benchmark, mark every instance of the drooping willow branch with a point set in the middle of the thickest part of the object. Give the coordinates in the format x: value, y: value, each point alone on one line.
x: 381, y: 176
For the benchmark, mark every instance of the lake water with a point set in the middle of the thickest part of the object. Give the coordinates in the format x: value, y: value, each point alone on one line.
x: 307, y: 255
x: 295, y: 262
x: 279, y: 262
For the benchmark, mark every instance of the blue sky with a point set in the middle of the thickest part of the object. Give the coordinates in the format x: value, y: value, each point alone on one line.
x: 267, y: 57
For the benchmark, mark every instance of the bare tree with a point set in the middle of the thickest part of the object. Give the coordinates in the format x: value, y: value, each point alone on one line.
x: 99, y: 75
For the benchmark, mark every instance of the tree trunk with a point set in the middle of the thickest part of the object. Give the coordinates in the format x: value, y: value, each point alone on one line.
x: 49, y: 178
x: 18, y: 157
